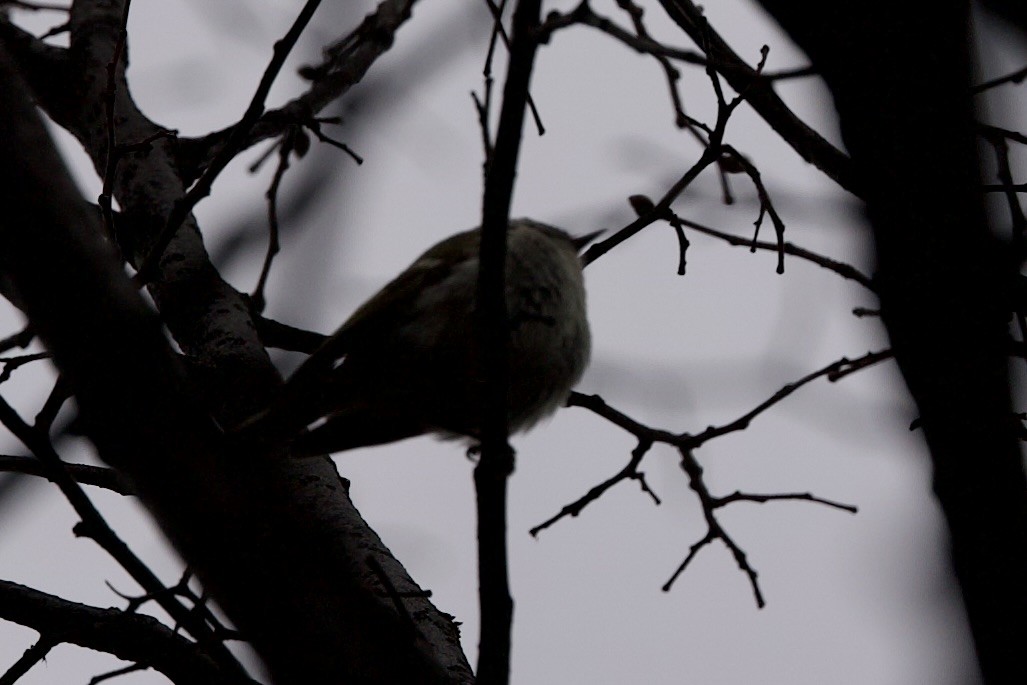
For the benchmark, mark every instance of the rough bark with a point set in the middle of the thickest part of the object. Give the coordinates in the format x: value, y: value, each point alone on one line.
x: 276, y: 542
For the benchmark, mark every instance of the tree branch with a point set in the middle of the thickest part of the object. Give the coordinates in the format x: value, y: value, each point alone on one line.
x: 82, y: 473
x: 236, y: 142
x: 686, y: 444
x: 759, y: 93
x: 131, y: 637
x: 245, y: 524
x: 497, y: 460
x: 345, y: 63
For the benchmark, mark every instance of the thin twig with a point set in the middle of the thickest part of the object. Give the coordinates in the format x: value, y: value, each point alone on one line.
x: 59, y: 394
x: 712, y: 153
x: 285, y: 337
x: 690, y: 465
x: 738, y: 496
x: 117, y: 673
x: 766, y: 206
x: 285, y: 148
x: 82, y: 473
x: 598, y: 249
x: 989, y: 130
x: 483, y: 105
x: 497, y: 28
x: 1016, y: 216
x: 835, y: 370
x: 313, y: 124
x: 630, y: 471
x: 760, y: 94
x: 130, y: 637
x: 841, y: 268
x: 671, y: 74
x: 237, y: 141
x: 1015, y: 77
x: 11, y: 364
x: 686, y: 444
x: 584, y: 15
x: 21, y: 339
x: 1004, y: 187
x: 32, y: 656
x: 96, y: 528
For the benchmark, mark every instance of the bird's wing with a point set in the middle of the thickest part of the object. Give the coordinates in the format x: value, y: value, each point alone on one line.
x: 383, y: 314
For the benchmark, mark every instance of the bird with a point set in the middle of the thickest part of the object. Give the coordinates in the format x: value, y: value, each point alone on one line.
x: 407, y: 363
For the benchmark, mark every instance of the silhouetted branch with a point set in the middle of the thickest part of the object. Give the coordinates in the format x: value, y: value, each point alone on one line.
x: 832, y: 371
x: 32, y: 656
x: 237, y: 141
x: 21, y: 339
x: 1014, y: 77
x: 759, y: 93
x: 630, y: 471
x: 344, y: 64
x: 94, y: 526
x: 11, y: 364
x: 132, y: 637
x: 285, y: 337
x: 82, y: 473
x: 686, y: 443
x: 492, y: 330
x: 841, y: 268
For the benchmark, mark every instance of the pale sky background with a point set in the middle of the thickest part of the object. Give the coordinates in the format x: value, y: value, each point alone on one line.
x: 852, y: 600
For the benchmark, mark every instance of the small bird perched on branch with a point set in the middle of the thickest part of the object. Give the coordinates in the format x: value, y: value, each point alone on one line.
x: 406, y: 362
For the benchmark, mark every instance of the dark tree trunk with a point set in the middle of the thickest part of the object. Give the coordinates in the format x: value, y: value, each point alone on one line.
x: 900, y: 76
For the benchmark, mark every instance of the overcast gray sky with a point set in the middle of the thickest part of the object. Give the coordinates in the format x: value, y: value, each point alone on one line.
x: 851, y: 599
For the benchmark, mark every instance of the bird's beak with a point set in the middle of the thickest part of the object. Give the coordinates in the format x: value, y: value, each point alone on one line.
x: 580, y: 242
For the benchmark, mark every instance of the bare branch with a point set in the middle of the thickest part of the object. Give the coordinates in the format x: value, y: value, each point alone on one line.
x: 1014, y: 77
x: 21, y: 339
x: 810, y: 145
x: 833, y: 371
x: 989, y: 131
x: 236, y: 142
x: 285, y: 148
x: 630, y: 471
x: 686, y: 443
x: 500, y: 31
x: 345, y: 63
x: 132, y: 637
x: 10, y: 364
x: 841, y: 268
x: 82, y: 473
x: 492, y: 329
x: 32, y: 656
x: 96, y: 528
x: 690, y: 465
x: 738, y: 496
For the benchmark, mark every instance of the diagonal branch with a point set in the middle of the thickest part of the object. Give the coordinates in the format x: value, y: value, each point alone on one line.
x: 131, y: 637
x: 834, y: 370
x: 99, y: 476
x: 345, y: 63
x: 759, y: 93
x: 95, y: 527
x: 237, y: 141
